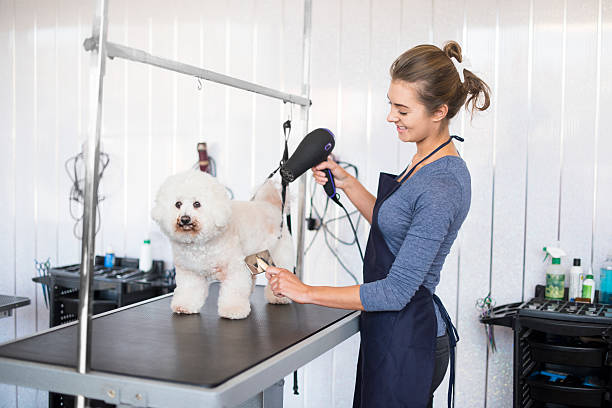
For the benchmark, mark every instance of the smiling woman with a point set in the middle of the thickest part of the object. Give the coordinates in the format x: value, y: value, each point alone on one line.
x: 406, y: 334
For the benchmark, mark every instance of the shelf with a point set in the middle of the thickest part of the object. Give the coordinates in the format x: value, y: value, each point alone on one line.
x: 545, y: 391
x: 568, y: 355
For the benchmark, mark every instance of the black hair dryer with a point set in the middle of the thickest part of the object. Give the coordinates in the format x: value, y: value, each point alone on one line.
x: 312, y: 150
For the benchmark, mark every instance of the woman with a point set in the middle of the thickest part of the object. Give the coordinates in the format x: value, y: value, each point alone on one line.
x: 414, y: 221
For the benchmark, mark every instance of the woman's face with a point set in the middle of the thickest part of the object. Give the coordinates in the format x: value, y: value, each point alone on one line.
x: 412, y: 120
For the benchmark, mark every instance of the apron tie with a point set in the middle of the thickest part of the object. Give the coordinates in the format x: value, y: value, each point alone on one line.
x: 453, y: 338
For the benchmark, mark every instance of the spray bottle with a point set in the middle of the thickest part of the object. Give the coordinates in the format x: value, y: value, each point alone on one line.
x: 555, y: 277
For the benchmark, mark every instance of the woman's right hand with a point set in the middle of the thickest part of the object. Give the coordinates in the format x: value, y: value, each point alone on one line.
x: 342, y: 178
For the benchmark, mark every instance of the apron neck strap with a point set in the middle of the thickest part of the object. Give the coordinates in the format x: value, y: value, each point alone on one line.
x: 431, y: 154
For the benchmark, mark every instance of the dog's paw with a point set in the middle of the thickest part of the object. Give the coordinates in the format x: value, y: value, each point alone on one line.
x: 273, y: 299
x: 235, y: 311
x: 184, y: 308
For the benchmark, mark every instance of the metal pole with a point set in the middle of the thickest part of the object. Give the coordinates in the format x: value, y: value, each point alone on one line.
x: 92, y: 153
x: 299, y: 264
x: 133, y: 54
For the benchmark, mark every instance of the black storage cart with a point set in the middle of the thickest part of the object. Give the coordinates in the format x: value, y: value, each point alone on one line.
x: 562, y: 352
x: 119, y: 286
x: 115, y: 287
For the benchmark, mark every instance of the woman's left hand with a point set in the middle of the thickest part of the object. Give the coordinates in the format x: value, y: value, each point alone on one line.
x: 282, y: 282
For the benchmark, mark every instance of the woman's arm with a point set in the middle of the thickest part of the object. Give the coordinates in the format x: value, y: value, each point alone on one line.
x: 429, y: 226
x: 355, y: 191
x: 283, y: 282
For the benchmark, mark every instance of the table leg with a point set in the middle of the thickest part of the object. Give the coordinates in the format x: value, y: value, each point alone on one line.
x: 271, y: 397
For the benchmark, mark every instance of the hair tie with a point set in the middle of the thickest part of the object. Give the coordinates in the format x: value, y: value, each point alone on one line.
x: 460, y: 66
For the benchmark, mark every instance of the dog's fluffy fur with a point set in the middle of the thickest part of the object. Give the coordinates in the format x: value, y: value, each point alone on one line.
x: 218, y: 236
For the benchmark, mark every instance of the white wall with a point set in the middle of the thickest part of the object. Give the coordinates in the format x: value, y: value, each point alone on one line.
x: 539, y: 158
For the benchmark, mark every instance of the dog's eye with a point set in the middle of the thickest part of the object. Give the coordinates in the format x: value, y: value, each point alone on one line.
x: 196, y: 204
x: 178, y: 204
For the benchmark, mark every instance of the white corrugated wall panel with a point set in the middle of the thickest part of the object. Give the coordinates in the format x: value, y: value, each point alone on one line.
x: 602, y: 226
x: 509, y: 177
x: 7, y: 181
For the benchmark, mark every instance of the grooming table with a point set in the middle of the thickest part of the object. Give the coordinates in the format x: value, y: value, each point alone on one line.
x: 143, y: 355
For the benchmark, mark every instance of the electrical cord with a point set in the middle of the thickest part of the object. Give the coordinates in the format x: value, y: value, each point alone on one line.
x: 77, y: 195
x: 356, y: 227
x: 340, y: 261
x: 337, y: 218
x: 337, y: 200
x: 325, y: 224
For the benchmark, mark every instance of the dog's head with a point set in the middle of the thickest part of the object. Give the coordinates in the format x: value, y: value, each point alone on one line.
x: 191, y: 207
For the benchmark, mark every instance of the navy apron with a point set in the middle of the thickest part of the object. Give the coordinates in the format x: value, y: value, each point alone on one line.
x: 396, y: 356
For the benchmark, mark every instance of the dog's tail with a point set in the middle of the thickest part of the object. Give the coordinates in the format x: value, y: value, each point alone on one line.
x: 270, y: 191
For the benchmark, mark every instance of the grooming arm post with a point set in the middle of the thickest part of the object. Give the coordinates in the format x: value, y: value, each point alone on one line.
x: 98, y: 59
x: 299, y: 263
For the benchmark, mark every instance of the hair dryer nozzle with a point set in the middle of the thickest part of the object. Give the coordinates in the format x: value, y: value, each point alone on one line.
x: 312, y: 150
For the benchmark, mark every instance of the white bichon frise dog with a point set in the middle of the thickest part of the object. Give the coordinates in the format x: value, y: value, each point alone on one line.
x: 211, y: 235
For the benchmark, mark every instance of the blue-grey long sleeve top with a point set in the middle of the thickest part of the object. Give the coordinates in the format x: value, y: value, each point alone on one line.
x: 419, y: 223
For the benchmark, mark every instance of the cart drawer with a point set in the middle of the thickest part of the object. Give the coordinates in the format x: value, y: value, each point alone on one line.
x: 544, y: 391
x: 568, y: 355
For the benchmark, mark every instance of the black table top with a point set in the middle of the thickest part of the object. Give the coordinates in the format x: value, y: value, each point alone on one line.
x: 8, y: 302
x: 149, y: 341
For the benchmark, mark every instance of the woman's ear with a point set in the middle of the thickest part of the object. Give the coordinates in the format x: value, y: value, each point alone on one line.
x: 440, y: 113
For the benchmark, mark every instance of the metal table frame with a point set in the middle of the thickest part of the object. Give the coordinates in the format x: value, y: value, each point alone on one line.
x: 257, y: 387
x: 131, y: 391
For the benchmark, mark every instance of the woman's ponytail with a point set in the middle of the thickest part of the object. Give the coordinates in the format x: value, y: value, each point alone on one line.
x: 473, y: 86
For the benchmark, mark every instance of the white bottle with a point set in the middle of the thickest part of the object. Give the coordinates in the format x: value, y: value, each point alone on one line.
x: 575, y: 279
x: 588, y: 288
x: 145, y: 262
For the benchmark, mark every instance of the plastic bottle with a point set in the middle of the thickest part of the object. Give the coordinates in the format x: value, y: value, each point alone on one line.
x: 109, y: 258
x: 588, y: 288
x: 605, y: 281
x: 575, y: 279
x: 145, y: 262
x: 555, y: 277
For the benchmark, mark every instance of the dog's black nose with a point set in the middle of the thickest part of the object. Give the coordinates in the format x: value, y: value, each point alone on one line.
x: 185, y: 219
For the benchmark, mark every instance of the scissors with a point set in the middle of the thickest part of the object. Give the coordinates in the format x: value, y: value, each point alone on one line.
x: 42, y: 270
x: 485, y: 303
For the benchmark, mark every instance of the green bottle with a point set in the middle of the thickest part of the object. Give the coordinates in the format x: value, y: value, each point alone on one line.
x: 588, y: 288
